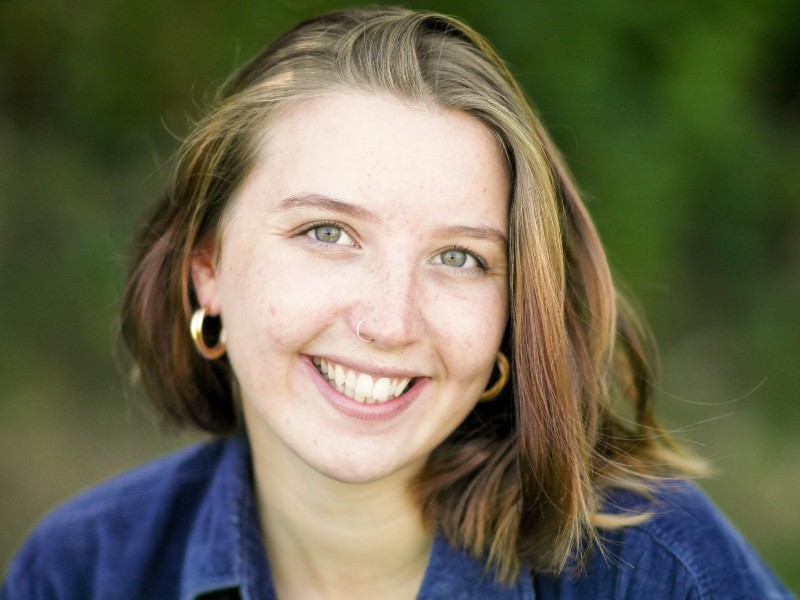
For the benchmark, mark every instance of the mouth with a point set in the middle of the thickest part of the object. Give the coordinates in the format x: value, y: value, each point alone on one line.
x: 362, y: 387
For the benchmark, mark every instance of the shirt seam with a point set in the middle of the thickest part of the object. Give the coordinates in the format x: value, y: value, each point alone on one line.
x: 670, y: 544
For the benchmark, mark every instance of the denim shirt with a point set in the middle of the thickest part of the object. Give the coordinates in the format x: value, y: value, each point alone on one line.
x: 186, y: 527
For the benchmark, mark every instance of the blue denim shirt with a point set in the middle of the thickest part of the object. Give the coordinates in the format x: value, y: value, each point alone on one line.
x: 185, y: 527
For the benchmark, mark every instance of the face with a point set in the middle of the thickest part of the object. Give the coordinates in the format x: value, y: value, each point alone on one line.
x: 362, y: 210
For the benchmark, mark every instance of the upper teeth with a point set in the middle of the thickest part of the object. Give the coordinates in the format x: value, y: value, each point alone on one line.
x: 360, y: 386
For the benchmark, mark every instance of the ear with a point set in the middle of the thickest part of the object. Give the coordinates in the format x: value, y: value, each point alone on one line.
x: 204, y: 275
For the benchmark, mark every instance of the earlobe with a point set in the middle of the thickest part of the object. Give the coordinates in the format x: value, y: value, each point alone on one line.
x: 204, y: 277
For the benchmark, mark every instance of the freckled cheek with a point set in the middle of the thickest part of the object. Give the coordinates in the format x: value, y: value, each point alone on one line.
x: 286, y: 307
x: 469, y: 329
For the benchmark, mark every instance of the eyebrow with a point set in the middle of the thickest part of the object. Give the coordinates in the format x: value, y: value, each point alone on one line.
x: 320, y: 201
x: 490, y: 234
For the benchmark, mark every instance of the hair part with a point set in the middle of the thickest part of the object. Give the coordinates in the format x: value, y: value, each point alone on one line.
x: 520, y: 482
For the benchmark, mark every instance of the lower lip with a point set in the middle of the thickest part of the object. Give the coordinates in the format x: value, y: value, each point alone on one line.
x: 377, y: 411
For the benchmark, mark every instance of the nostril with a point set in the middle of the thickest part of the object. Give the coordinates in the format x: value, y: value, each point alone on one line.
x: 362, y: 336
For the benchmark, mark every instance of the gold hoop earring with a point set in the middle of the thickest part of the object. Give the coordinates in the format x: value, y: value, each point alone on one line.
x: 196, y: 330
x: 505, y: 371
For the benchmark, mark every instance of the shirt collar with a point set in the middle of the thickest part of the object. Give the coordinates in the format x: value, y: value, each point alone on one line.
x: 225, y: 549
x: 454, y: 574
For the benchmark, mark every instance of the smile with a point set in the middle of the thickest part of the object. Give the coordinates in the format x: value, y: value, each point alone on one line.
x: 361, y: 387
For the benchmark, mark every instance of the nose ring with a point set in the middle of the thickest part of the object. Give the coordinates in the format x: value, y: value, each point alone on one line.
x: 358, y: 333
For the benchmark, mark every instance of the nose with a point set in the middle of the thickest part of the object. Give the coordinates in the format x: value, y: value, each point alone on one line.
x: 389, y: 312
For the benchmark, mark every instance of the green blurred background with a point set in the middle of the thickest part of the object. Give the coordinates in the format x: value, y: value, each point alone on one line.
x: 681, y: 121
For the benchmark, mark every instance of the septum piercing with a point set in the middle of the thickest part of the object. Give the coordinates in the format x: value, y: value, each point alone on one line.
x: 358, y: 333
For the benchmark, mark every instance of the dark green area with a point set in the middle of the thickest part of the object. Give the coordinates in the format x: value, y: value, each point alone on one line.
x: 681, y: 121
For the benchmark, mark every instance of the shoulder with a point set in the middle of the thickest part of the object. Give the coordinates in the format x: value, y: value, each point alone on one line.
x: 145, y: 491
x: 115, y: 528
x: 685, y: 549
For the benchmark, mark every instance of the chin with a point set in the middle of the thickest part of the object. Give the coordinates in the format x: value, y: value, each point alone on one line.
x: 360, y: 470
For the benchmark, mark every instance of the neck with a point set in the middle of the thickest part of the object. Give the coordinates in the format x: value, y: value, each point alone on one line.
x: 329, y: 539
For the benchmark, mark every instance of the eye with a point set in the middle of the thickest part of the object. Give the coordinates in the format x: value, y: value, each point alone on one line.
x: 458, y: 258
x: 330, y: 233
x: 454, y: 258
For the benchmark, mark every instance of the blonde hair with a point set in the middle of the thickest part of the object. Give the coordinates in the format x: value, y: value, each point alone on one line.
x: 520, y: 482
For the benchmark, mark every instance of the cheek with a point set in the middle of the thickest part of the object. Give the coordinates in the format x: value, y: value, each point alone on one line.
x: 470, y: 328
x: 275, y: 302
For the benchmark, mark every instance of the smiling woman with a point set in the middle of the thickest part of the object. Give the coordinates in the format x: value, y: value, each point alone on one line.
x: 373, y: 279
x: 295, y: 271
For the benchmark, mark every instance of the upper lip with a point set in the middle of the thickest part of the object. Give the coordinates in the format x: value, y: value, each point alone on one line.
x: 369, y: 369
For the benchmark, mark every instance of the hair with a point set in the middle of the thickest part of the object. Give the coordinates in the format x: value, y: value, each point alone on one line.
x: 521, y: 482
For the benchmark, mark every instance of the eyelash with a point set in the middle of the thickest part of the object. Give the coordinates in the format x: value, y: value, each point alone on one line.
x: 312, y: 226
x: 460, y: 270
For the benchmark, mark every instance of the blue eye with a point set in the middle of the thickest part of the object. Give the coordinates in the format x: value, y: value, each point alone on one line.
x: 454, y: 258
x: 460, y: 259
x: 330, y: 233
x: 327, y: 233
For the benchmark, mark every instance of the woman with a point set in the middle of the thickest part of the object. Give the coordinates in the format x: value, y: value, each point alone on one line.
x: 373, y: 279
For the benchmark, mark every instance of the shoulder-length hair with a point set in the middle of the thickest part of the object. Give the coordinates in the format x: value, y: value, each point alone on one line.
x: 520, y: 482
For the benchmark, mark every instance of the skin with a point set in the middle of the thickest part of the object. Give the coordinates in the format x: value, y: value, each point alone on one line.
x: 399, y: 185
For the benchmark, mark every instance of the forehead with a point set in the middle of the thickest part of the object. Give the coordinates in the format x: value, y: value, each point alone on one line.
x: 376, y: 149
